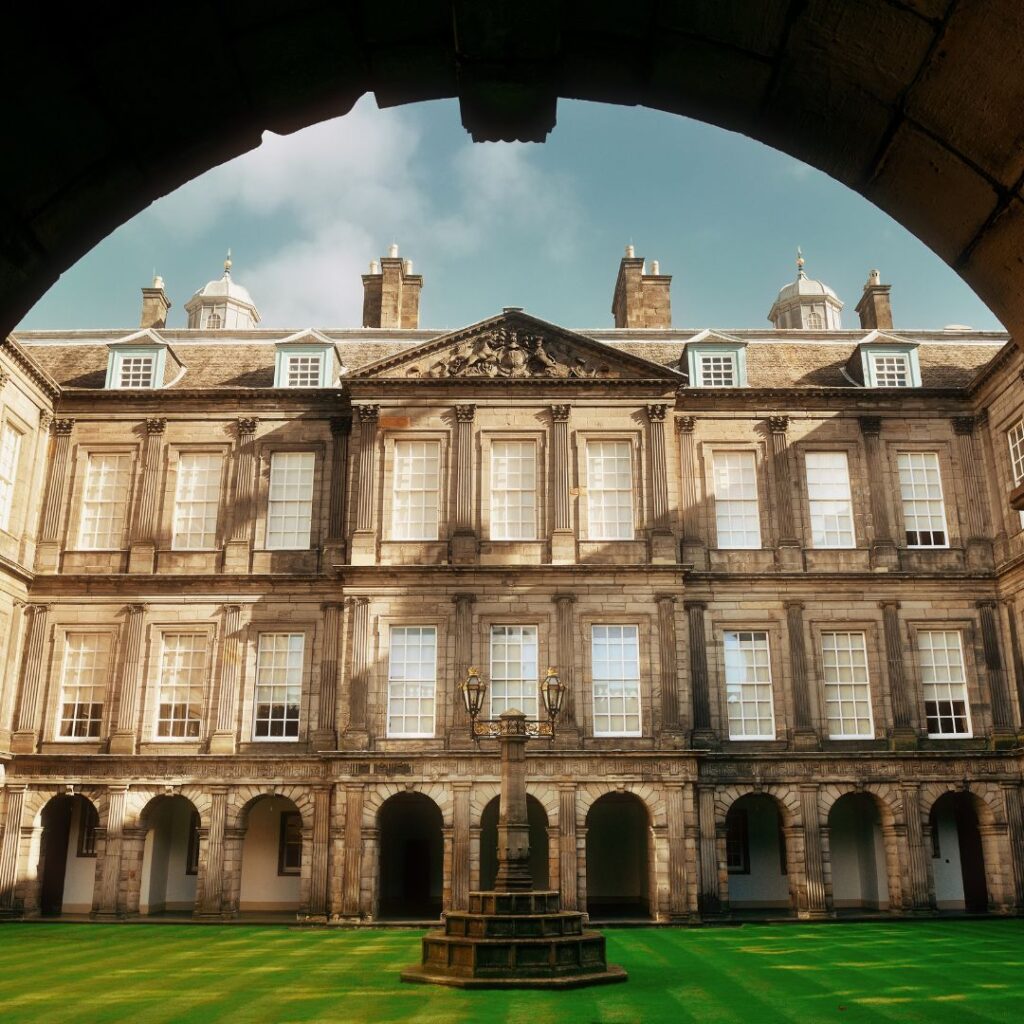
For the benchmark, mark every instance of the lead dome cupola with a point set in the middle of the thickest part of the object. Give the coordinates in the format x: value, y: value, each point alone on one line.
x: 806, y: 304
x: 222, y: 304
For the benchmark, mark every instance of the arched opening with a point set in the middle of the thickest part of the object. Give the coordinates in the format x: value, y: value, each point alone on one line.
x: 411, y: 857
x: 860, y: 880
x: 958, y: 859
x: 271, y: 857
x: 67, y: 870
x: 538, y: 821
x: 756, y: 856
x: 618, y: 853
x: 170, y: 858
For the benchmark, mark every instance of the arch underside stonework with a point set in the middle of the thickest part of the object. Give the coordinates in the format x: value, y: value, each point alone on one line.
x: 685, y: 835
x: 908, y: 103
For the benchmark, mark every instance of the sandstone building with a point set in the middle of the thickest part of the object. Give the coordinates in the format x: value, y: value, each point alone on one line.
x: 243, y: 571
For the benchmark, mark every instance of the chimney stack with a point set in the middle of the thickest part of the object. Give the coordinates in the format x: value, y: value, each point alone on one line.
x: 154, y: 305
x: 391, y: 293
x: 874, y: 308
x: 641, y: 299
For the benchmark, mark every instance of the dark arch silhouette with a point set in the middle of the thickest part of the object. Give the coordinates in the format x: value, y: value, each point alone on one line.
x: 958, y: 854
x: 69, y: 831
x: 909, y: 104
x: 757, y: 856
x: 539, y: 849
x: 411, y: 857
x: 860, y: 876
x: 170, y: 861
x: 618, y: 857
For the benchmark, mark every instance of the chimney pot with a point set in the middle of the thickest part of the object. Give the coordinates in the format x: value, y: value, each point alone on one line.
x: 393, y: 250
x: 155, y: 305
x: 655, y: 267
x: 641, y: 299
x: 408, y: 267
x: 630, y: 252
x: 875, y: 306
x: 391, y: 293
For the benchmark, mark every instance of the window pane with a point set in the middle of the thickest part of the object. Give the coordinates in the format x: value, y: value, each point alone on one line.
x: 86, y: 662
x: 513, y: 490
x: 105, y: 503
x: 1015, y: 437
x: 924, y: 514
x: 10, y: 451
x: 182, y: 685
x: 136, y: 372
x: 609, y: 490
x: 748, y: 686
x: 828, y: 494
x: 416, y: 484
x: 718, y: 371
x: 515, y: 681
x: 279, y: 664
x: 892, y: 371
x: 736, y: 513
x: 615, y: 659
x: 847, y: 689
x: 290, y: 505
x: 304, y: 371
x: 197, y: 501
x: 944, y: 683
x: 412, y: 680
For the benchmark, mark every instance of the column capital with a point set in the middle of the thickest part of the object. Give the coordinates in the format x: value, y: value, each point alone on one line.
x: 560, y: 413
x: 563, y: 598
x: 248, y: 425
x: 62, y: 427
x: 45, y: 419
x: 870, y: 426
x: 963, y: 426
x: 327, y: 606
x: 156, y: 425
x: 135, y: 609
x: 355, y: 602
x: 656, y: 412
x: 982, y: 418
x: 889, y: 604
x: 685, y: 424
x: 796, y: 605
x: 986, y: 602
x: 228, y: 608
x: 341, y: 425
x: 463, y: 598
x: 671, y: 598
x: 688, y: 604
x: 778, y: 424
x: 37, y: 609
x: 367, y: 413
x: 465, y: 413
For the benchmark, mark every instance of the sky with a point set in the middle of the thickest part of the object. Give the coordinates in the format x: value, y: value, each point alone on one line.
x: 509, y: 224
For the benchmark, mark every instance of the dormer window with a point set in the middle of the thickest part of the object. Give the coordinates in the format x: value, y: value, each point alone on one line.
x: 304, y: 371
x: 716, y: 361
x: 883, y: 361
x: 891, y: 371
x: 306, y: 360
x: 718, y: 371
x: 136, y: 366
x: 136, y: 372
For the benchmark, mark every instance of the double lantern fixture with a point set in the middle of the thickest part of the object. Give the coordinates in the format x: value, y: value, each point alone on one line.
x: 474, y: 689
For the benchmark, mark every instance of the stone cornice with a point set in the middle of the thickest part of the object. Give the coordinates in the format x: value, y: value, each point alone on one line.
x: 28, y: 366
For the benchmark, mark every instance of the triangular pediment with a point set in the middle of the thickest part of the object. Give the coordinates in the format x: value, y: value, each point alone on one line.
x: 515, y: 345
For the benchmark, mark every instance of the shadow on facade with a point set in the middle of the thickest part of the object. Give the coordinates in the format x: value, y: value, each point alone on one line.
x: 67, y: 856
x: 860, y: 877
x: 758, y: 857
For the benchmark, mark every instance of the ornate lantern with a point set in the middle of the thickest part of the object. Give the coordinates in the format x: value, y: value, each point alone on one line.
x: 473, y: 690
x: 552, y: 691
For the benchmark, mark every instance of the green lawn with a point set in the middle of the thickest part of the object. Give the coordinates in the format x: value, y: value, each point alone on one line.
x: 931, y: 971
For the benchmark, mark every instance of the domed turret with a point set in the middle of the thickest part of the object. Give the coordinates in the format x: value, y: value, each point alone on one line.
x: 805, y: 304
x: 222, y: 305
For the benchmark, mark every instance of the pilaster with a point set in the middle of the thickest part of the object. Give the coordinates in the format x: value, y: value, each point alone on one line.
x: 124, y: 738
x: 10, y: 848
x: 917, y: 865
x: 12, y: 659
x: 464, y: 547
x: 565, y: 659
x: 805, y: 737
x: 48, y: 552
x: 703, y: 736
x: 695, y: 551
x: 676, y: 835
x: 563, y: 539
x: 142, y: 552
x: 210, y: 883
x: 351, y: 870
x: 26, y: 736
x: 108, y: 905
x: 460, y: 845
x: 904, y: 735
x: 814, y: 869
x: 1003, y: 735
x: 788, y: 552
x: 663, y: 542
x: 670, y: 723
x: 568, y: 864
x: 454, y: 708
x: 883, y: 549
x: 1014, y: 807
x: 238, y: 550
x: 334, y: 546
x: 319, y: 854
x: 357, y: 735
x: 324, y: 734
x: 709, y: 900
x: 224, y: 738
x: 364, y: 541
x: 978, y: 545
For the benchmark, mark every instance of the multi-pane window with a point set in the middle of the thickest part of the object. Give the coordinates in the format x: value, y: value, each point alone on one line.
x: 737, y: 841
x: 736, y: 516
x: 615, y: 656
x: 136, y: 372
x: 214, y: 322
x: 289, y: 847
x: 718, y: 371
x: 412, y: 681
x: 609, y: 490
x: 828, y: 495
x: 514, y: 678
x: 1015, y: 437
x: 844, y: 661
x: 88, y: 823
x: 10, y: 451
x: 192, y: 850
x: 86, y: 665
x: 304, y: 371
x: 417, y: 480
x: 815, y: 322
x: 513, y: 490
x: 290, y: 506
x: 279, y: 664
x: 924, y: 514
x: 891, y: 371
x: 182, y: 685
x: 105, y: 505
x: 196, y: 501
x: 943, y: 682
x: 748, y: 686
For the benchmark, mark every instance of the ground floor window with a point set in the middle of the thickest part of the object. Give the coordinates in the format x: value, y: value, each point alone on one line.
x: 289, y: 851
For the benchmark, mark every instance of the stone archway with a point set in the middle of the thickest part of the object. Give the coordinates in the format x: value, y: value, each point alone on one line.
x: 170, y: 857
x: 271, y: 857
x: 539, y: 845
x: 906, y: 103
x: 757, y: 856
x: 619, y: 857
x: 857, y: 854
x: 958, y: 854
x: 411, y: 871
x: 67, y: 856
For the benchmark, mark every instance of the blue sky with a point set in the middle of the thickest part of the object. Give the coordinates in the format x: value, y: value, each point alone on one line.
x: 538, y: 226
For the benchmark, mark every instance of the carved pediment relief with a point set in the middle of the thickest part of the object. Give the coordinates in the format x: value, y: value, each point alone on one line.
x: 515, y: 347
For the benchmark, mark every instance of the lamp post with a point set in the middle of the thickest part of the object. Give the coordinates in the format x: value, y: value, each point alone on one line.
x: 512, y: 729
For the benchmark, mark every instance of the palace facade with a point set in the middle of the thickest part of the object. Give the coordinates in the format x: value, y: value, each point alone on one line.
x: 243, y: 572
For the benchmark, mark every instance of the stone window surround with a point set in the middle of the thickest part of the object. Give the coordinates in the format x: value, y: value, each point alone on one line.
x: 874, y: 642
x: 80, y: 465
x: 782, y: 697
x: 486, y: 437
x: 51, y: 681
x: 20, y: 497
x: 152, y: 659
x: 706, y: 448
x: 947, y: 477
x: 386, y: 439
x: 265, y: 448
x: 250, y: 639
x: 647, y: 641
x: 1003, y: 468
x: 173, y: 453
x: 859, y: 502
x: 493, y: 616
x: 635, y: 439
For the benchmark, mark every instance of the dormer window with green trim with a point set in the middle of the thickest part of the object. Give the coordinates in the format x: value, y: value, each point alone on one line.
x: 883, y: 363
x: 304, y: 366
x: 135, y: 367
x: 716, y: 363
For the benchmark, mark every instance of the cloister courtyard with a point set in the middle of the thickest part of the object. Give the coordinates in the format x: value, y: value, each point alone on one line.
x: 926, y: 971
